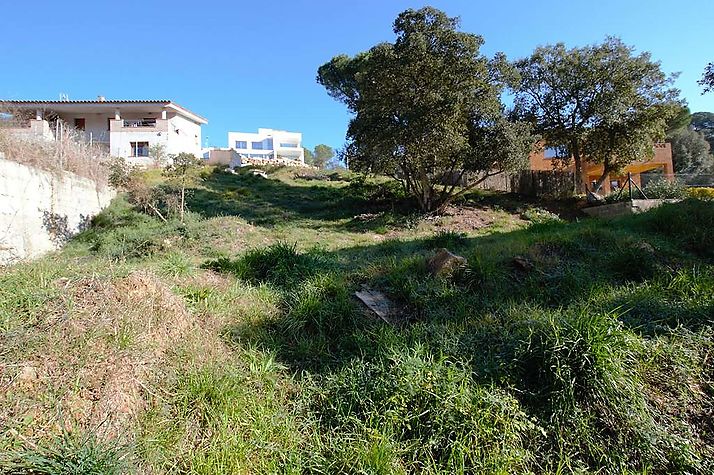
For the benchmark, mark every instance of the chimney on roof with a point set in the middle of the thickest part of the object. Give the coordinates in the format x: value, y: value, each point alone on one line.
x: 101, y: 98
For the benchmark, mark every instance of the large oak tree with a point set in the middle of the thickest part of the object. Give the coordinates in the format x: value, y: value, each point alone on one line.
x: 427, y: 109
x: 602, y: 102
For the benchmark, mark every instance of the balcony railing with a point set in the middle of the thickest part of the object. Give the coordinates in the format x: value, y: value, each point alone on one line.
x: 139, y: 123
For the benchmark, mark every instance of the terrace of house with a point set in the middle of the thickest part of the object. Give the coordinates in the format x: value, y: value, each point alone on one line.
x: 97, y: 121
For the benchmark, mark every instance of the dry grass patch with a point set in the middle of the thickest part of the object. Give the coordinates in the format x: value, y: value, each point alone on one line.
x: 89, y: 365
x: 70, y: 153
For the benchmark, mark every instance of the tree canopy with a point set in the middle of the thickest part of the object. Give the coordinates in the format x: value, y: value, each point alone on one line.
x: 601, y: 102
x: 427, y: 109
x: 690, y: 152
x: 322, y: 155
x: 707, y: 80
x: 319, y: 157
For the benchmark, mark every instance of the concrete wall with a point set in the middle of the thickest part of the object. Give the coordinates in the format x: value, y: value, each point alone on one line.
x: 624, y: 208
x: 40, y: 211
x: 223, y: 156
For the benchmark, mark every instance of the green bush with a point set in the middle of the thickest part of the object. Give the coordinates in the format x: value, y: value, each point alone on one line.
x: 541, y: 216
x: 376, y: 193
x: 663, y: 188
x: 634, y: 261
x: 701, y: 193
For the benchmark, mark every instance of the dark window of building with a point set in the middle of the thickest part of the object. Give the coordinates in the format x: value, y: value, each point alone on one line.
x: 79, y: 123
x: 241, y: 144
x: 257, y: 145
x: 139, y: 149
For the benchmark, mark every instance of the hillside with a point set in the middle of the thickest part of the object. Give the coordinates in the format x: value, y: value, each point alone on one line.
x: 233, y: 343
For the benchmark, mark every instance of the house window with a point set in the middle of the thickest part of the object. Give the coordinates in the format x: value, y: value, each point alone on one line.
x: 139, y: 149
x: 241, y: 144
x: 288, y: 145
x: 256, y: 145
x: 79, y: 123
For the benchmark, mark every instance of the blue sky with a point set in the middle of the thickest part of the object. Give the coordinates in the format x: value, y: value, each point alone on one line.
x: 245, y: 65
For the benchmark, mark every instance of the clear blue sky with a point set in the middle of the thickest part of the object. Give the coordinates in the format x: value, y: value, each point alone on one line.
x: 245, y: 65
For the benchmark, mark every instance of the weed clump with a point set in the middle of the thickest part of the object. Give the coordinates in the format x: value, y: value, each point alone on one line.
x: 67, y: 453
x: 690, y: 222
x: 578, y: 372
x: 279, y: 264
x: 428, y: 413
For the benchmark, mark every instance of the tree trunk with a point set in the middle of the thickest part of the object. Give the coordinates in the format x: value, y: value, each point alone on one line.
x: 580, y: 186
x: 606, y: 169
x: 183, y: 202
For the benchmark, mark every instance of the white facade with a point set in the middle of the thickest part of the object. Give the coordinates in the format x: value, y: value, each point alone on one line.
x: 127, y: 129
x: 268, y: 144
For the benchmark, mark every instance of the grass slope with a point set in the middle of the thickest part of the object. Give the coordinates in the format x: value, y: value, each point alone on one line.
x: 233, y: 343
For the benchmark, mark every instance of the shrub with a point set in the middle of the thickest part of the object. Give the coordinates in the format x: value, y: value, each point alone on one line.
x: 663, y: 188
x: 541, y: 216
x: 701, y: 193
x: 119, y: 172
x: 69, y: 152
x: 120, y: 232
x: 377, y: 193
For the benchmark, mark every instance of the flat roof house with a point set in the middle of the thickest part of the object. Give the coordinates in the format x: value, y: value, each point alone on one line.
x: 268, y: 144
x: 546, y: 158
x: 126, y: 128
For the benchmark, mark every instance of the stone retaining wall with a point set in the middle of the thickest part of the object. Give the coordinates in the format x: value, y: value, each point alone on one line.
x: 40, y: 210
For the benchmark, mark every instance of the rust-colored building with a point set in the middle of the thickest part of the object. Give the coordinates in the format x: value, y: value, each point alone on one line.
x: 546, y: 159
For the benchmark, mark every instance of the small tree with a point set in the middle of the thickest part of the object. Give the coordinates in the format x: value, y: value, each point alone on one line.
x: 158, y: 153
x: 180, y: 174
x: 704, y: 122
x: 322, y: 155
x: 309, y: 157
x: 690, y: 152
x: 600, y: 102
x: 423, y: 106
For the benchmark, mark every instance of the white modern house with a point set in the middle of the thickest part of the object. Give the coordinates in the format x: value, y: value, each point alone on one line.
x: 124, y: 128
x: 268, y: 144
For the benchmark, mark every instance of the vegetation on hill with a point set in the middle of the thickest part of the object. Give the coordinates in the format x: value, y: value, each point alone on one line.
x: 232, y: 343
